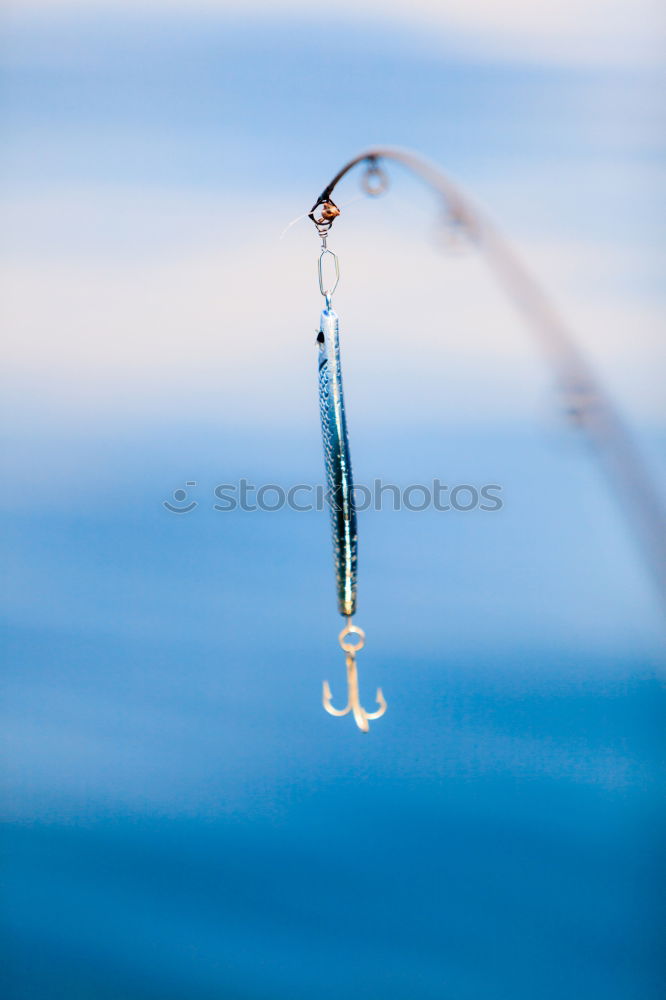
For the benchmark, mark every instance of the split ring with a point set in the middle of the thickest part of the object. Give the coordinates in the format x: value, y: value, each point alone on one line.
x: 350, y: 647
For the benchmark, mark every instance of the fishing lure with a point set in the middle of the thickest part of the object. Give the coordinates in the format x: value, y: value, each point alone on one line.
x: 340, y: 493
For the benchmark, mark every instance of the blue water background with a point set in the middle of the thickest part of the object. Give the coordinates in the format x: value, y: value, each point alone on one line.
x: 182, y: 820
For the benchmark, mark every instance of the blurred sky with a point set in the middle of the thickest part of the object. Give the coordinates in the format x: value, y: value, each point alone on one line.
x: 170, y: 770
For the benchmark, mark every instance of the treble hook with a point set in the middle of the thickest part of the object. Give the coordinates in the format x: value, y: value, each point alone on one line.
x: 361, y: 717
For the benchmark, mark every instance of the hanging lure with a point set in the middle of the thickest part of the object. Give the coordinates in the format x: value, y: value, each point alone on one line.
x: 339, y: 483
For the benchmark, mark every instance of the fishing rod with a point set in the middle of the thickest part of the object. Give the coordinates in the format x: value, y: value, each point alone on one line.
x: 586, y: 403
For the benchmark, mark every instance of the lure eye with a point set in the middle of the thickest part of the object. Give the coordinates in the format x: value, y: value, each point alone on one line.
x: 320, y: 337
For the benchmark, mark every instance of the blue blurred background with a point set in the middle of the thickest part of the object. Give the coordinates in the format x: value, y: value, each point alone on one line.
x: 181, y: 819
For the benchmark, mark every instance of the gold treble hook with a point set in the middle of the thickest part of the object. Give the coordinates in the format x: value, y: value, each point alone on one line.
x: 361, y: 717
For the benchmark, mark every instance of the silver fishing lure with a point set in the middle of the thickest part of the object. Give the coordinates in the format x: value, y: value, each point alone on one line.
x: 341, y: 498
x: 339, y: 480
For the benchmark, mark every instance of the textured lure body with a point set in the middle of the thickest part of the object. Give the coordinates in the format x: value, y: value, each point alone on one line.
x: 339, y: 482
